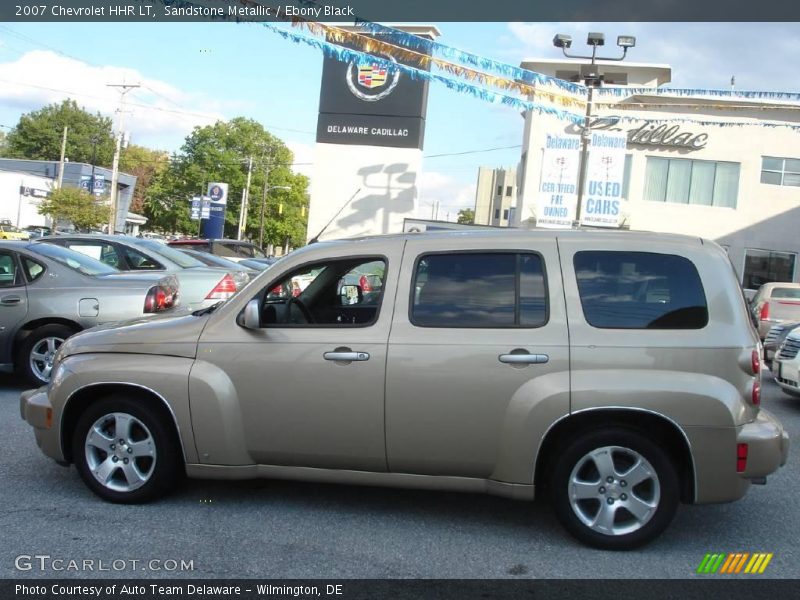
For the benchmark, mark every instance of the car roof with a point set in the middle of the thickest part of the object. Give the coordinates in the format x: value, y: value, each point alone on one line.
x: 208, y: 240
x: 506, y: 234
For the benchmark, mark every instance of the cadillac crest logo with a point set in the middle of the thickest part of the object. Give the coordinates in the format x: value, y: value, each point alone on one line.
x: 372, y: 81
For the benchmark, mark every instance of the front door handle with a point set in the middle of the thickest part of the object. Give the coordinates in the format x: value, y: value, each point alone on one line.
x: 523, y: 359
x: 346, y: 356
x: 10, y: 300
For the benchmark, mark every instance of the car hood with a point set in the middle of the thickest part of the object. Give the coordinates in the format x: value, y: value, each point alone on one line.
x: 173, y: 335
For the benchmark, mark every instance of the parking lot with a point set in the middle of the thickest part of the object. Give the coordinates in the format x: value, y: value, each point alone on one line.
x: 297, y: 530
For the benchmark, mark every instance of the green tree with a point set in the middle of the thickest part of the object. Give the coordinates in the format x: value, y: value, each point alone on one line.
x: 466, y: 216
x: 220, y: 152
x: 38, y: 134
x: 149, y: 167
x: 75, y: 205
x: 3, y: 143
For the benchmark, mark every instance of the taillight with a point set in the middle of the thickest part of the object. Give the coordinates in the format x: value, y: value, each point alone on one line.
x: 764, y: 314
x: 741, y: 458
x: 158, y: 299
x: 223, y: 290
x: 365, y: 284
x: 756, y: 396
x: 755, y: 362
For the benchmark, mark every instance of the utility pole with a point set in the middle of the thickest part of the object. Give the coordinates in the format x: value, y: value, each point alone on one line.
x: 263, y: 208
x: 124, y: 89
x: 245, y: 197
x: 63, y: 157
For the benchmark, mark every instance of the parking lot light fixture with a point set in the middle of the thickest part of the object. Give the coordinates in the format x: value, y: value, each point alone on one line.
x: 592, y: 78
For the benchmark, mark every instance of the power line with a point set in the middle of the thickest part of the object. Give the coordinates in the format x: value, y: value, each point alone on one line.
x: 472, y: 151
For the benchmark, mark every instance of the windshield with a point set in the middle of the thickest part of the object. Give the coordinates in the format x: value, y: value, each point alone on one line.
x: 179, y: 258
x: 74, y: 260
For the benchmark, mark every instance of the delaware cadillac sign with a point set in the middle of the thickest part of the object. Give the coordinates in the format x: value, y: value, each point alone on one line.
x: 661, y: 135
x: 371, y: 103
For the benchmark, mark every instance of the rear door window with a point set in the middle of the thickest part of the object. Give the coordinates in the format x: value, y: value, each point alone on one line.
x: 640, y: 290
x: 479, y: 290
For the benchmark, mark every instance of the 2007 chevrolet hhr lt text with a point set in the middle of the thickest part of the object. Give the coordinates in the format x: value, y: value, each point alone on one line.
x: 617, y: 372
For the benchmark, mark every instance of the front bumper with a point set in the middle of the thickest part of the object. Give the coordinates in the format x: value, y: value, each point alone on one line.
x: 787, y: 375
x: 36, y: 410
x: 768, y: 445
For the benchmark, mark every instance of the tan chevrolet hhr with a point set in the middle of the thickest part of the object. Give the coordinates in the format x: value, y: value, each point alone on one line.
x: 618, y: 372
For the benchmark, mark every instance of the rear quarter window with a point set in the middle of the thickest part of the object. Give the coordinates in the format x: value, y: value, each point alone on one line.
x: 640, y: 290
x: 785, y: 293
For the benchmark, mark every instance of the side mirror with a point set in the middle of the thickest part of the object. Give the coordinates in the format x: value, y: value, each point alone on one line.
x: 351, y: 294
x: 250, y: 318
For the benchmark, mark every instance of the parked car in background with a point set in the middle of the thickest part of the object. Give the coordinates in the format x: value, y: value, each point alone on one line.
x: 201, y: 285
x: 776, y: 303
x: 232, y: 249
x: 36, y: 231
x: 617, y: 373
x: 241, y: 273
x: 786, y: 366
x: 47, y: 293
x: 775, y: 337
x: 9, y: 232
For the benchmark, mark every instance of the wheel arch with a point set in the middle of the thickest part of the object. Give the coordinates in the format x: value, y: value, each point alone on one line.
x: 25, y: 330
x: 83, y: 397
x: 653, y: 424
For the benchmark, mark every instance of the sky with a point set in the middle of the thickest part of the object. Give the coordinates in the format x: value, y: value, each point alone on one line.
x: 196, y: 73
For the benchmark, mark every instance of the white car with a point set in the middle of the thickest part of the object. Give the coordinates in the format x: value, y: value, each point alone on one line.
x: 786, y: 366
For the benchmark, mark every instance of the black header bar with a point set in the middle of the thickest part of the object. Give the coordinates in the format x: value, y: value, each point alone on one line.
x: 407, y: 11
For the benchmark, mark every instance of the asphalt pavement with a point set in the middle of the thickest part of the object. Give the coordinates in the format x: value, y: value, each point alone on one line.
x: 275, y: 529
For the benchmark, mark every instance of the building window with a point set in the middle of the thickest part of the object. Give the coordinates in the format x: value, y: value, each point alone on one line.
x: 685, y: 181
x: 764, y: 266
x: 508, y: 190
x: 505, y: 215
x: 780, y: 171
x: 499, y: 190
x: 626, y: 177
x: 496, y: 213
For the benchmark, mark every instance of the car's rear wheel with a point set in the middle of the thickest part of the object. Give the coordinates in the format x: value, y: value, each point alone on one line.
x: 36, y: 353
x: 126, y: 451
x: 614, y: 489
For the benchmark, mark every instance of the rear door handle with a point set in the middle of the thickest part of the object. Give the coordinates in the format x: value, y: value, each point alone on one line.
x: 10, y: 300
x: 523, y: 359
x: 347, y: 356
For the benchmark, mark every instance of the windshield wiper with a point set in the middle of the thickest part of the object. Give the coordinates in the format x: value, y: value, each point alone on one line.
x: 207, y: 310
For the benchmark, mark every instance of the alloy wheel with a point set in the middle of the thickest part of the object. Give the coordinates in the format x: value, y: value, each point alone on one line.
x: 614, y: 490
x: 120, y: 452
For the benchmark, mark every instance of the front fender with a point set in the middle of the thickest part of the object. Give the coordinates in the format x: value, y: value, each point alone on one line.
x: 165, y: 377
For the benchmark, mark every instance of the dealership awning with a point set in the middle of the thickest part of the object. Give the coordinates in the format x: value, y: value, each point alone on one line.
x: 135, y: 219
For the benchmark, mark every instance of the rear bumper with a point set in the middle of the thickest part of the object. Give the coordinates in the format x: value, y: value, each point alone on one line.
x: 768, y: 445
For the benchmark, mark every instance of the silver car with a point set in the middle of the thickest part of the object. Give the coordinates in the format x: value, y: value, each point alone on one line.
x: 47, y: 293
x: 201, y: 285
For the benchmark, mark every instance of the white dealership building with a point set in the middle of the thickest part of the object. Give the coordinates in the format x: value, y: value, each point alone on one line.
x: 738, y: 184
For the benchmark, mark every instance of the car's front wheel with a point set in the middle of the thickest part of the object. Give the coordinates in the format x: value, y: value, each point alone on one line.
x: 126, y: 451
x: 614, y: 489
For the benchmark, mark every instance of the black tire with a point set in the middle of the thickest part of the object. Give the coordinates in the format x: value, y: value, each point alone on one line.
x: 629, y: 443
x: 23, y: 362
x: 162, y: 472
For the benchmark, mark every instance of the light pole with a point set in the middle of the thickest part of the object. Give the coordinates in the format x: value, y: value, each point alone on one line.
x: 267, y: 189
x: 592, y: 78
